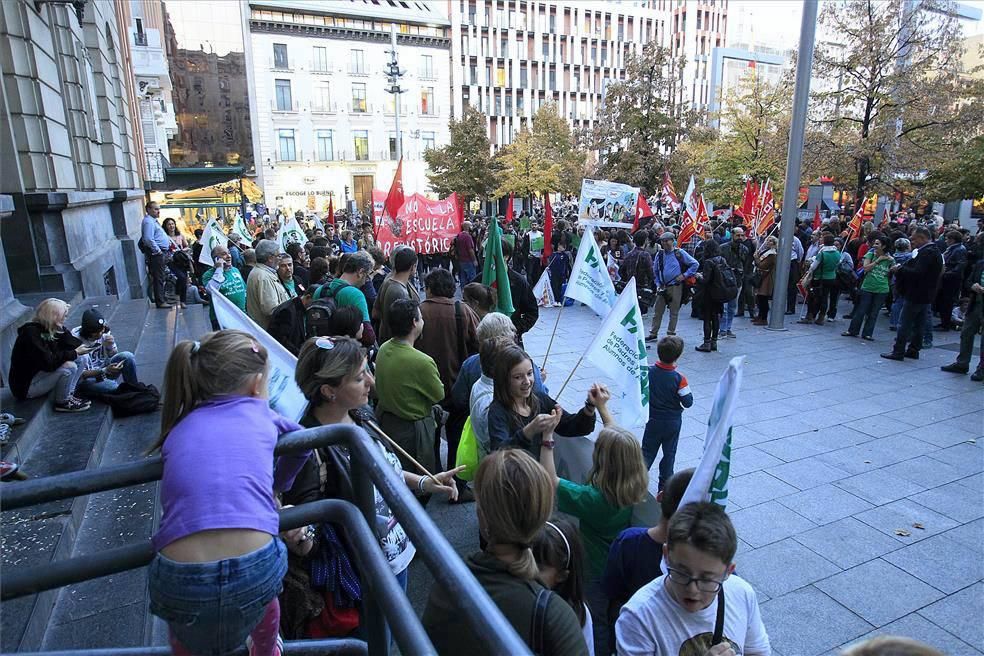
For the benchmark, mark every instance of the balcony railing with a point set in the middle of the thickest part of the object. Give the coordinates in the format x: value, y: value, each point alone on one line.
x: 140, y: 38
x: 360, y: 108
x: 156, y: 163
x: 284, y: 108
x: 321, y: 68
x: 324, y: 108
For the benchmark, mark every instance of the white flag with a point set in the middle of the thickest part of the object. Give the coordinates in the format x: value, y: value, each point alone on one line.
x: 318, y: 225
x: 613, y: 269
x: 239, y: 228
x: 284, y: 395
x: 619, y: 350
x: 590, y: 282
x: 212, y: 236
x: 290, y: 231
x: 543, y: 292
x: 690, y: 201
x: 710, y: 479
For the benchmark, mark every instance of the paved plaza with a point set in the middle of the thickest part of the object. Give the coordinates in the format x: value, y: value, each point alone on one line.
x: 857, y: 484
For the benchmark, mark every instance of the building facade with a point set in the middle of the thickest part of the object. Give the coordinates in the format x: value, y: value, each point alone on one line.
x: 509, y: 57
x: 152, y: 78
x: 325, y: 123
x: 731, y: 66
x: 70, y: 152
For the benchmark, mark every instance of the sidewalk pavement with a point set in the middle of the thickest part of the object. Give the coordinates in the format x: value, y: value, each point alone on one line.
x: 857, y: 483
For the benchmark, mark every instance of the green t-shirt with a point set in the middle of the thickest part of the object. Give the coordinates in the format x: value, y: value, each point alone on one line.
x: 600, y: 521
x: 346, y: 295
x: 407, y: 381
x: 233, y: 288
x: 876, y: 279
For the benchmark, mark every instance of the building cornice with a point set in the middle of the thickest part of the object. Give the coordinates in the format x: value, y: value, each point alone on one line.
x: 345, y: 33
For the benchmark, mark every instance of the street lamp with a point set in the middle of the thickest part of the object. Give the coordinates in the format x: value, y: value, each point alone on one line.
x: 393, y: 75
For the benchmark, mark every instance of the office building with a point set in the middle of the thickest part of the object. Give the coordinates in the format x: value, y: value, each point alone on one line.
x: 510, y: 57
x: 324, y: 121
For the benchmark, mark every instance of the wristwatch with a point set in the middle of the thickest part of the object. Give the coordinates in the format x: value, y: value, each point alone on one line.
x: 548, y: 444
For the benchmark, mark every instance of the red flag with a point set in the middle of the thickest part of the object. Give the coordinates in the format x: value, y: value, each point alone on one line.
x: 885, y: 219
x: 509, y: 209
x: 668, y: 190
x: 747, y: 200
x: 459, y: 210
x: 547, y: 228
x: 395, y: 198
x: 854, y: 227
x: 643, y: 211
x: 702, y: 218
x: 331, y: 210
x: 687, y: 231
x: 816, y: 219
x: 767, y: 212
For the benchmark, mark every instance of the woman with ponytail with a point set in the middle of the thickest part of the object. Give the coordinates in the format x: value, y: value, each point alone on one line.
x: 514, y: 499
x: 219, y: 563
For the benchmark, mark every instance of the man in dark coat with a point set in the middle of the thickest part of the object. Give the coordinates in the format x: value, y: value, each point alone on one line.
x: 917, y: 282
x: 524, y: 303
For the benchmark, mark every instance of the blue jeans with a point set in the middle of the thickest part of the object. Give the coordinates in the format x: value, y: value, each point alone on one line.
x: 211, y: 607
x: 896, y: 312
x: 912, y: 323
x: 661, y: 434
x: 466, y: 273
x: 729, y: 315
x: 867, y: 309
x: 89, y: 388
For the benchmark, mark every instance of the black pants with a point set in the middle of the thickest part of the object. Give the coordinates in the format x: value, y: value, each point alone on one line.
x: 746, y: 297
x: 712, y: 320
x: 156, y: 265
x: 181, y: 284
x: 794, y: 276
x: 823, y: 299
x: 911, y: 324
x: 763, y: 307
x: 946, y: 298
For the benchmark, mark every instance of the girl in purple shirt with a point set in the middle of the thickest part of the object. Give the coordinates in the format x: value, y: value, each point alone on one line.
x: 219, y: 564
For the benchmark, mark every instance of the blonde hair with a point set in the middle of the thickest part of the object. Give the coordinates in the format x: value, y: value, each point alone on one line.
x: 891, y: 646
x: 514, y: 500
x: 49, y: 312
x: 317, y: 366
x: 617, y: 467
x: 221, y: 363
x: 495, y: 324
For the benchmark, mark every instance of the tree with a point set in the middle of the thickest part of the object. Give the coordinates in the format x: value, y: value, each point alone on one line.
x: 463, y: 165
x: 637, y: 127
x: 553, y: 140
x: 961, y: 175
x: 524, y: 169
x: 889, y: 96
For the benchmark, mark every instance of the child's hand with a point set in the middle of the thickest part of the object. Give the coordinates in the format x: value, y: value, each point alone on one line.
x: 599, y: 395
x: 553, y: 419
x: 721, y: 649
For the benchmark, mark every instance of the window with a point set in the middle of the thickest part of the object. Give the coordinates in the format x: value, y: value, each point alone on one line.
x: 280, y: 55
x: 427, y: 66
x: 553, y: 23
x: 357, y: 65
x: 546, y: 49
x: 427, y: 101
x: 498, y: 105
x: 553, y: 80
x: 427, y: 141
x: 504, y: 47
x: 519, y: 103
x: 500, y: 76
x: 594, y: 55
x: 361, y: 138
x: 604, y: 55
x: 320, y: 62
x: 322, y: 99
x: 473, y: 71
x: 509, y: 105
x: 359, y: 97
x: 698, y: 19
x: 488, y: 74
x: 285, y: 139
x: 284, y: 100
x: 471, y: 14
x: 523, y: 75
x: 393, y: 155
x: 326, y: 151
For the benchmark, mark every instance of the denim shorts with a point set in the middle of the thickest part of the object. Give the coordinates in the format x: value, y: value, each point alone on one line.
x: 211, y: 607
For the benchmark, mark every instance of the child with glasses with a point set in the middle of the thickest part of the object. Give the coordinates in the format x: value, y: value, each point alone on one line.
x: 677, y: 613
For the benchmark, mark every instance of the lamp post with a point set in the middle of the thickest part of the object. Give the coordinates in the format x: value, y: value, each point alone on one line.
x: 393, y: 75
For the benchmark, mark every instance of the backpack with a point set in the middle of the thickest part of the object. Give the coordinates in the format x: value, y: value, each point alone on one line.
x: 846, y: 275
x: 318, y: 315
x: 132, y: 399
x: 725, y: 285
x: 538, y: 622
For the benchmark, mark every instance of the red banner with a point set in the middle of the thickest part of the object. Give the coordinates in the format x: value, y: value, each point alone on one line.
x: 429, y: 226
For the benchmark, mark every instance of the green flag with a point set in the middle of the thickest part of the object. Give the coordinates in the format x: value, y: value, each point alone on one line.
x: 512, y: 241
x: 524, y: 223
x: 495, y: 274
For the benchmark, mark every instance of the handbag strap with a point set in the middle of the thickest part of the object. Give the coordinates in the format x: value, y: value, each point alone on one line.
x: 539, y: 622
x: 719, y: 620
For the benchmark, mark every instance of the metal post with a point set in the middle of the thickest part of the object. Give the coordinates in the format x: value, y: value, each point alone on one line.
x: 794, y: 161
x: 396, y: 91
x: 242, y: 197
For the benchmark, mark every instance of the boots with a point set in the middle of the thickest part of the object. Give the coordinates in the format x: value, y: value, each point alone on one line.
x: 706, y: 347
x: 714, y: 345
x: 978, y: 375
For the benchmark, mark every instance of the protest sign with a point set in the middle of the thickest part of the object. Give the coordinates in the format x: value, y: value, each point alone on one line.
x: 619, y: 350
x: 607, y: 201
x: 212, y: 236
x: 429, y: 226
x: 543, y: 292
x: 589, y: 281
x: 283, y: 394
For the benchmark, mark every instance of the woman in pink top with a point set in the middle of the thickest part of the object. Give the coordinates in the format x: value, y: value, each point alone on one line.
x: 219, y: 564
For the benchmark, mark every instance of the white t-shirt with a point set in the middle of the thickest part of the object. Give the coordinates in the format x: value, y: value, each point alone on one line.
x: 652, y: 622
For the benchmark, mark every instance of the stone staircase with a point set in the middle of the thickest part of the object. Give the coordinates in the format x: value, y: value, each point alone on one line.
x: 111, y: 611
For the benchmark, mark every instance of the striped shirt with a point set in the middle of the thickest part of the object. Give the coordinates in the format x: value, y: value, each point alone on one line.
x: 669, y: 392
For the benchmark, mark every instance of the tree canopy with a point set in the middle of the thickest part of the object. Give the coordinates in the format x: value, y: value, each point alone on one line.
x: 464, y: 164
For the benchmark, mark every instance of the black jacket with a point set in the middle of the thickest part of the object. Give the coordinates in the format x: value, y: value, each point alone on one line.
x: 287, y: 324
x: 524, y: 303
x: 918, y: 279
x: 739, y: 257
x: 975, y: 277
x: 36, y: 351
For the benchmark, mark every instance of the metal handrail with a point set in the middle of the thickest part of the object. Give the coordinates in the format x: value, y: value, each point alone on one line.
x: 369, y: 468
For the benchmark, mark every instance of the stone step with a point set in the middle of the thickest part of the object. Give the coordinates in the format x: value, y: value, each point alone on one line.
x: 70, y: 442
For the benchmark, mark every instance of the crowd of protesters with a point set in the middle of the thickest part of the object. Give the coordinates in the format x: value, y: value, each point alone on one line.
x: 410, y: 347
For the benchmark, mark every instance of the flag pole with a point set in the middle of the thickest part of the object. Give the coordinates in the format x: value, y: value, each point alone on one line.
x: 564, y: 386
x: 553, y: 334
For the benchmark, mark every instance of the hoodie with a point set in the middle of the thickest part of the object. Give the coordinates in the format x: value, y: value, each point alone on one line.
x: 36, y: 350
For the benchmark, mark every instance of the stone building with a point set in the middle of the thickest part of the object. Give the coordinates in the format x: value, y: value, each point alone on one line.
x: 72, y: 169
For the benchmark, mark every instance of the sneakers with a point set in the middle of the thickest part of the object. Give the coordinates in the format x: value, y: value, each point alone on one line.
x: 10, y: 420
x: 652, y: 338
x: 848, y: 333
x: 11, y: 471
x: 73, y: 404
